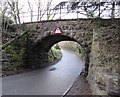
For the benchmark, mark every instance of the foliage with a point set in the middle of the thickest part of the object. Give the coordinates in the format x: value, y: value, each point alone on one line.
x: 54, y: 54
x: 69, y: 45
x: 15, y: 52
x: 73, y: 47
x: 82, y: 51
x: 57, y: 46
x: 14, y: 40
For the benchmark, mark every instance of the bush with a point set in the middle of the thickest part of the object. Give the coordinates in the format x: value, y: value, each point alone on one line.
x: 57, y: 46
x: 54, y: 54
x: 14, y: 54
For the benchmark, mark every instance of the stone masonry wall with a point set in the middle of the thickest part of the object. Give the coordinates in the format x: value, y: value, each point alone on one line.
x: 104, y: 61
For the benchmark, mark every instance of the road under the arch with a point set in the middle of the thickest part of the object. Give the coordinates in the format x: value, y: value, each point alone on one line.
x: 45, y: 81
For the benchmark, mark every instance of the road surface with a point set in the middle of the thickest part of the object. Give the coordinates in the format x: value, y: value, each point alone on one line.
x: 45, y: 81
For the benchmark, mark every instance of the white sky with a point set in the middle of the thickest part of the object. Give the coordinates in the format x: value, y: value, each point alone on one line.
x: 44, y: 2
x: 25, y: 7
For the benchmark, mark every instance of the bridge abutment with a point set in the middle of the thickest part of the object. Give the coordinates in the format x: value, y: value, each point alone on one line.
x: 104, y: 58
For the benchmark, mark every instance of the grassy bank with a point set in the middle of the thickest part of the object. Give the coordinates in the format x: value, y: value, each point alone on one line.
x: 54, y: 54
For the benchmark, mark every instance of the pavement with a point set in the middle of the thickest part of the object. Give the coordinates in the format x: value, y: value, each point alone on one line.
x: 79, y: 87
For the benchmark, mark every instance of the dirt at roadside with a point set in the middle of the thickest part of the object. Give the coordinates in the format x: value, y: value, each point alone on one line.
x: 80, y: 87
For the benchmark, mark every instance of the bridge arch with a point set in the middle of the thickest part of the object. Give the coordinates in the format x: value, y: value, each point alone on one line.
x: 39, y: 51
x: 48, y: 41
x: 80, y: 31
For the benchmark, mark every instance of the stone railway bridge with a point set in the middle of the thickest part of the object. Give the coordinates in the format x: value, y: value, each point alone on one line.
x: 78, y: 30
x: 100, y: 39
x: 43, y: 39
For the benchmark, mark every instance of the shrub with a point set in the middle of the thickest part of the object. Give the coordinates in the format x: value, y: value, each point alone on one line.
x: 54, y: 54
x: 57, y: 46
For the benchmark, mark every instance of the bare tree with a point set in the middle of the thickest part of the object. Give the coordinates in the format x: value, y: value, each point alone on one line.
x: 94, y: 9
x: 91, y: 9
x: 58, y: 8
x: 113, y: 10
x: 18, y: 12
x: 39, y: 9
x: 3, y: 11
x: 49, y: 9
x: 30, y: 10
x: 11, y: 3
x: 14, y: 10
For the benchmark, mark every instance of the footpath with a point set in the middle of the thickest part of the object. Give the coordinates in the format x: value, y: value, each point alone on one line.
x: 79, y: 87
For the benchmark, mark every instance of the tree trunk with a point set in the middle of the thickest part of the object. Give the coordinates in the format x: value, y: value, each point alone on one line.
x: 17, y: 9
x: 113, y: 10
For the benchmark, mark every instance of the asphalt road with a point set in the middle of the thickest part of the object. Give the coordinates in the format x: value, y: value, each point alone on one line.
x: 45, y: 81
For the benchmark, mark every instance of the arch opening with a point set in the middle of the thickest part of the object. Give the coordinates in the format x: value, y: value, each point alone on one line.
x: 47, y: 42
x: 42, y: 47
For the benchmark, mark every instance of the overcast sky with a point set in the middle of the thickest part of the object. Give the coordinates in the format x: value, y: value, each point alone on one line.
x: 25, y: 7
x: 43, y: 2
x: 23, y: 4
